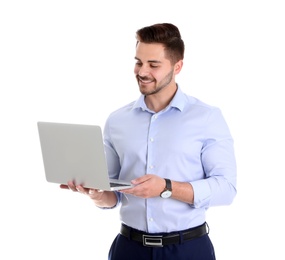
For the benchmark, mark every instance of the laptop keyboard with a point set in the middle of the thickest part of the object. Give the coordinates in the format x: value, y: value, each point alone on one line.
x: 115, y: 184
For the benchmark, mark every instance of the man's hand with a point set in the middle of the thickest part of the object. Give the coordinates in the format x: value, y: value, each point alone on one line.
x: 147, y: 186
x: 100, y: 198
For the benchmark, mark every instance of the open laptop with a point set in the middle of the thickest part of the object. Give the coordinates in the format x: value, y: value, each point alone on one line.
x: 74, y: 152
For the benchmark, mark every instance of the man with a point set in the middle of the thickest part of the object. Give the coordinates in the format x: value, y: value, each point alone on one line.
x: 178, y: 152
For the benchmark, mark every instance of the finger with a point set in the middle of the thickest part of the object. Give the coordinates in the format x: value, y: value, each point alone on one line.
x: 95, y: 193
x: 91, y: 191
x: 81, y: 189
x: 141, y: 179
x: 71, y: 186
x: 64, y: 186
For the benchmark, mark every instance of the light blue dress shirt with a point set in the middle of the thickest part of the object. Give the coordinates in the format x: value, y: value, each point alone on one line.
x: 188, y: 141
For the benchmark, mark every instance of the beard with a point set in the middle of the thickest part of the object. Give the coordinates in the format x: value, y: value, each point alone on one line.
x: 157, y: 87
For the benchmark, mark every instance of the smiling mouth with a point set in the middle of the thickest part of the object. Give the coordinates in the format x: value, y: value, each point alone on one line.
x: 145, y: 80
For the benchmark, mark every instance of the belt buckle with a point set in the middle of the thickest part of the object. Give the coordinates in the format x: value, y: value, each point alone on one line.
x: 153, y: 241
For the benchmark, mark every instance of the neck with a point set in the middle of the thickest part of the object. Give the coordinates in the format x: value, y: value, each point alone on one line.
x: 160, y: 100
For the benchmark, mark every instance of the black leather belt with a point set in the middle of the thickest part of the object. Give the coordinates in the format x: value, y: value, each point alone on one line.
x: 158, y: 240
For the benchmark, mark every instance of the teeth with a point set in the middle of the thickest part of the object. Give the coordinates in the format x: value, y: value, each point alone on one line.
x: 146, y: 81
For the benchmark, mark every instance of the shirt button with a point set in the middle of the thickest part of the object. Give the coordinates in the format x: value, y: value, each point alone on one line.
x: 150, y: 219
x: 151, y: 139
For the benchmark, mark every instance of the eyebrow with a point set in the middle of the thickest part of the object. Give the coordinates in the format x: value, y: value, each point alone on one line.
x: 149, y: 61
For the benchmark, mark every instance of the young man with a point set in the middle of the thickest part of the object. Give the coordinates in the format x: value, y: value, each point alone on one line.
x: 178, y: 152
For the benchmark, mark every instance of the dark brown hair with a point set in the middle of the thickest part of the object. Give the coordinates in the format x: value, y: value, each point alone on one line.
x: 166, y: 34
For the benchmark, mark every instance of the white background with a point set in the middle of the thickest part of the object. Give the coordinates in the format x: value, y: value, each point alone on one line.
x: 72, y: 61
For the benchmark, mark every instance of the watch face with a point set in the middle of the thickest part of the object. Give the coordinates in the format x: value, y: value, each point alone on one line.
x: 166, y: 194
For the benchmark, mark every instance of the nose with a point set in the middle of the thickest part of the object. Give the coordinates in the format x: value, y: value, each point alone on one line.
x: 142, y: 71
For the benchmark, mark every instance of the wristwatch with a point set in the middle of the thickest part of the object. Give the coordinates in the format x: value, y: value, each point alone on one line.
x: 167, y: 192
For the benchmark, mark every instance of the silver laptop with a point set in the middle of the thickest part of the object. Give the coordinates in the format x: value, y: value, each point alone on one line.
x: 73, y: 152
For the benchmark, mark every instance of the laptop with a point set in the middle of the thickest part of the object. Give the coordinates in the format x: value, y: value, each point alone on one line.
x: 74, y: 152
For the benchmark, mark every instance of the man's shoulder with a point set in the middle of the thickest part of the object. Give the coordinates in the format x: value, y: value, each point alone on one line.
x: 123, y: 109
x: 122, y: 113
x: 194, y: 102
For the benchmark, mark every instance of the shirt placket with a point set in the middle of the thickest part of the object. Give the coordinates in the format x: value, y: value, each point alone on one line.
x: 151, y: 168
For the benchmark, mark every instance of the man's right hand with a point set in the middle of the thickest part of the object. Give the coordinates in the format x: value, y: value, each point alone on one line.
x: 100, y: 198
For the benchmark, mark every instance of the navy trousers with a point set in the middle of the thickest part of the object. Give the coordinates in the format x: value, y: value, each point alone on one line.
x: 200, y: 248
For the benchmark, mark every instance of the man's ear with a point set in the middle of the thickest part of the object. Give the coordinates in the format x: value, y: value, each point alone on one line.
x: 178, y: 66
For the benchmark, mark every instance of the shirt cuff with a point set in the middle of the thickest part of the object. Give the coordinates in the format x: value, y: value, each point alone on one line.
x: 202, y: 193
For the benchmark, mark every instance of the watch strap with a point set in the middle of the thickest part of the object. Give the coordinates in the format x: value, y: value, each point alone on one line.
x: 168, y: 185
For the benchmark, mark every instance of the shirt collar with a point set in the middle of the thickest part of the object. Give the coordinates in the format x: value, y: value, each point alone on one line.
x: 178, y: 101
